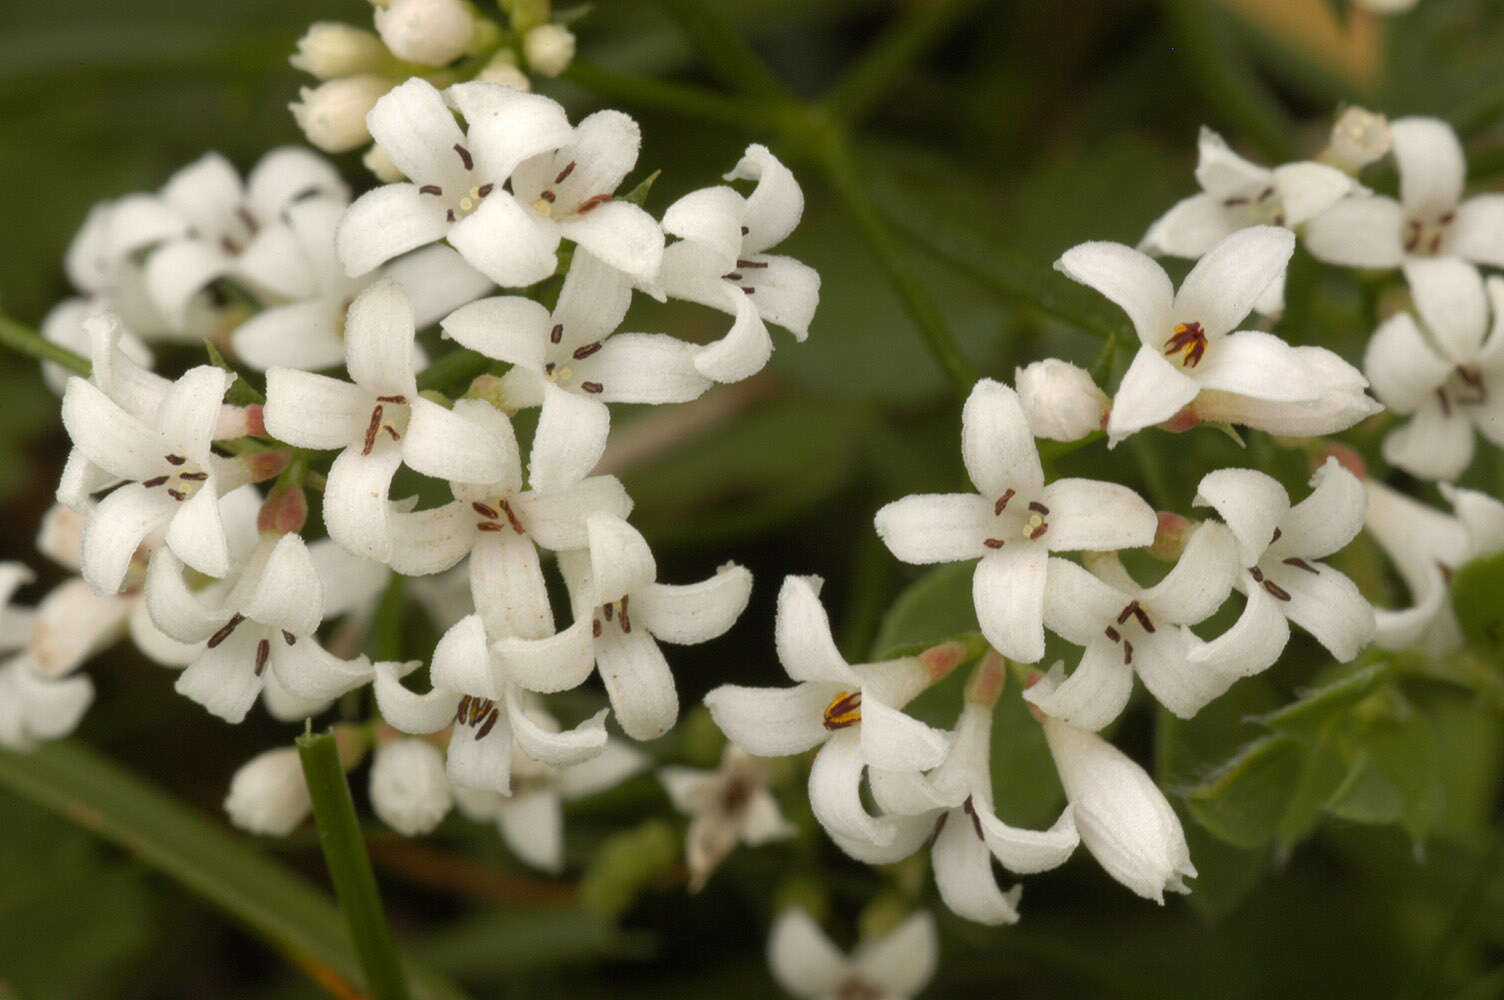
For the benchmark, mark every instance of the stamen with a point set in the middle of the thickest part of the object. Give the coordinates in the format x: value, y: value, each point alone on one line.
x: 1038, y: 507
x: 1126, y: 612
x: 1234, y: 202
x: 178, y: 495
x: 195, y: 477
x: 246, y: 217
x: 556, y: 334
x: 431, y: 189
x: 464, y: 156
x: 1038, y: 532
x: 229, y: 246
x: 263, y: 651
x: 1302, y: 564
x: 1446, y: 404
x: 1127, y: 653
x: 391, y: 399
x: 993, y: 543
x: 581, y: 353
x: 155, y: 481
x: 486, y: 726
x: 608, y: 610
x: 1256, y: 573
x: 484, y: 190
x: 1142, y: 616
x: 464, y: 708
x: 372, y: 430
x: 288, y: 637
x: 225, y: 630
x: 592, y: 387
x: 626, y: 623
x: 732, y: 276
x: 449, y: 215
x: 512, y: 518
x: 595, y: 627
x: 751, y: 263
x: 1266, y: 193
x: 1276, y: 590
x: 592, y: 203
x: 1275, y: 537
x: 568, y: 169
x: 1112, y: 633
x: 1188, y: 337
x: 748, y: 289
x: 745, y: 230
x: 1002, y: 502
x: 483, y: 510
x: 548, y: 196
x: 487, y: 526
x: 976, y: 821
x: 175, y: 459
x: 845, y: 710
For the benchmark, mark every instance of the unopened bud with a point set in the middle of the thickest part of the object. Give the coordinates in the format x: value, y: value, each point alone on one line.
x: 549, y: 49
x: 380, y: 164
x: 333, y: 114
x: 942, y: 659
x: 268, y: 794
x: 1060, y: 400
x: 284, y: 512
x: 263, y: 465
x: 985, y: 686
x: 503, y: 69
x: 1170, y: 536
x: 255, y: 421
x: 1347, y: 456
x: 1359, y: 137
x: 1184, y: 419
x: 330, y: 49
x: 409, y: 786
x: 431, y: 32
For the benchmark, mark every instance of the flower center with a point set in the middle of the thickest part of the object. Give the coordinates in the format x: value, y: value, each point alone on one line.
x: 1263, y: 207
x: 746, y: 274
x: 616, y: 611
x: 1030, y: 527
x: 492, y: 517
x: 1425, y: 236
x: 386, y: 415
x: 561, y: 372
x: 845, y: 710
x: 1135, y: 611
x: 1190, y: 338
x: 183, y: 482
x: 480, y: 713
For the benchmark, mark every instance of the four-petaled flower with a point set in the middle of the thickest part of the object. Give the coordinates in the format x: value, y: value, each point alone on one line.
x: 728, y: 805
x: 893, y: 967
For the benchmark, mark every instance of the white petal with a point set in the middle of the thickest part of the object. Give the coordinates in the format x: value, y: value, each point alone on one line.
x: 771, y: 722
x: 505, y: 327
x: 620, y: 560
x: 437, y: 281
x: 507, y: 586
x: 1403, y: 368
x: 205, y: 190
x: 386, y: 222
x: 409, y: 712
x: 592, y: 301
x: 112, y: 439
x: 288, y: 594
x: 935, y: 527
x: 379, y: 340
x: 746, y: 347
x: 1152, y: 390
x: 1087, y: 514
x: 895, y: 742
x: 355, y: 500
x: 1257, y: 364
x: 558, y: 662
x: 313, y: 675
x: 506, y: 125
x: 301, y: 335
x: 904, y: 960
x: 1029, y: 851
x: 1477, y: 233
x: 445, y: 445
x: 274, y: 265
x: 1362, y: 231
x: 1162, y: 661
x: 1096, y: 691
x: 604, y: 150
x: 1008, y: 591
x: 482, y: 762
x: 801, y: 633
x: 996, y: 444
x: 157, y: 645
x: 288, y: 173
x: 115, y: 530
x: 425, y: 541
x: 197, y: 536
x: 695, y: 612
x: 415, y: 129
x: 1435, y: 443
x: 639, y: 683
x: 1306, y: 189
x: 1223, y: 172
x: 1252, y: 643
x: 71, y: 624
x: 622, y: 235
x: 1223, y: 286
x: 1201, y: 578
x: 1251, y: 503
x: 571, y: 436
x: 177, y: 271
x: 802, y: 958
x: 1326, y: 604
x: 1131, y: 280
x: 532, y: 824
x: 314, y: 411
x: 787, y: 293
x: 556, y: 518
x: 711, y: 220
x: 775, y: 205
x: 223, y: 679
x: 644, y: 368
x: 1190, y: 228
x: 1078, y: 605
x: 409, y: 788
x: 835, y: 795
x: 462, y: 660
x: 1482, y: 518
x: 558, y: 749
x: 1431, y: 164
x: 1329, y: 518
x: 963, y: 874
x: 1449, y: 296
x: 53, y: 707
x: 506, y: 242
x: 607, y: 768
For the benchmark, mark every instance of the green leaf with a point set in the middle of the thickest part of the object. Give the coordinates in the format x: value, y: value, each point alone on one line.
x: 639, y: 194
x: 496, y: 942
x: 1478, y: 599
x: 241, y: 392
x: 284, y: 910
x: 1244, y: 802
x: 1323, y: 771
x: 1306, y: 717
x: 935, y: 608
x: 1225, y: 875
x: 1402, y: 746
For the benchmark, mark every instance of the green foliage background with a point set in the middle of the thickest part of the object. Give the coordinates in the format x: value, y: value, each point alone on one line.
x: 1350, y: 846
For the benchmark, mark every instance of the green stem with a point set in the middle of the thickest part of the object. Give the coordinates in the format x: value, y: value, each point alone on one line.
x: 831, y: 146
x: 689, y: 102
x: 455, y: 370
x: 349, y: 867
x: 725, y: 50
x: 1217, y: 63
x: 22, y: 338
x: 882, y: 67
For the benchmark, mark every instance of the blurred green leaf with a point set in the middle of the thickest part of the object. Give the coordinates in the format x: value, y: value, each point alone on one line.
x: 1244, y: 803
x: 1306, y: 717
x: 497, y: 943
x: 1476, y: 591
x: 932, y: 609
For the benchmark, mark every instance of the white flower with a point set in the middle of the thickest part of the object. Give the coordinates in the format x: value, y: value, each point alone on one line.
x: 1339, y: 404
x: 431, y: 32
x: 1128, y: 629
x: 853, y: 710
x: 1279, y: 545
x: 621, y: 614
x: 330, y: 49
x: 1429, y: 220
x: 721, y: 261
x: 1187, y: 346
x: 228, y: 224
x: 308, y: 332
x: 1013, y: 523
x: 728, y: 805
x: 1060, y: 400
x: 333, y: 114
x: 257, y: 628
x: 409, y: 788
x: 951, y: 810
x: 895, y: 967
x: 68, y: 324
x: 569, y: 362
x: 1123, y: 817
x: 376, y: 420
x: 562, y: 182
x: 1237, y: 194
x: 498, y: 525
x: 1359, y: 137
x: 269, y: 794
x: 531, y: 819
x: 36, y: 703
x: 487, y: 710
x: 173, y: 479
x: 1444, y: 373
x: 548, y: 49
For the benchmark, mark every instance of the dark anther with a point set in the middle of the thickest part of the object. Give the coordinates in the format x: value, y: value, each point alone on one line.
x: 225, y: 630
x: 626, y: 623
x: 485, y: 189
x: 175, y: 459
x: 1002, y: 502
x: 263, y: 650
x: 745, y: 230
x: 569, y: 169
x: 464, y: 156
x: 845, y: 710
x: 1039, y: 532
x: 548, y: 367
x: 449, y: 215
x: 548, y: 196
x: 1276, y: 590
x: 1275, y: 537
x: 196, y: 477
x: 483, y: 510
x: 751, y: 263
x: 1127, y: 653
x: 1446, y: 404
x: 748, y: 289
x: 459, y: 716
x: 250, y: 220
x: 556, y: 334
x: 1188, y: 337
x: 1234, y: 202
x: 506, y: 509
x: 1038, y: 507
x: 595, y: 628
x: 178, y: 495
x: 288, y: 637
x: 581, y: 353
x: 592, y: 203
x: 155, y: 481
x: 229, y: 246
x: 391, y: 399
x: 485, y: 727
x: 487, y: 526
x: 1127, y: 610
x: 1112, y: 633
x: 1264, y: 194
x: 372, y: 430
x: 608, y: 610
x: 430, y: 189
x: 732, y: 276
x: 1256, y: 573
x: 993, y: 543
x: 593, y: 387
x: 1142, y: 616
x: 1302, y: 564
x: 976, y: 821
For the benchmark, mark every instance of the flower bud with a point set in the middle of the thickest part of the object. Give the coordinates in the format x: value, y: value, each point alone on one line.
x: 1170, y: 536
x: 1359, y: 137
x: 380, y: 164
x: 549, y: 49
x: 268, y: 794
x: 285, y: 511
x: 409, y: 786
x: 333, y: 114
x: 1124, y: 819
x: 330, y: 49
x: 431, y: 32
x: 503, y: 69
x: 1060, y: 400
